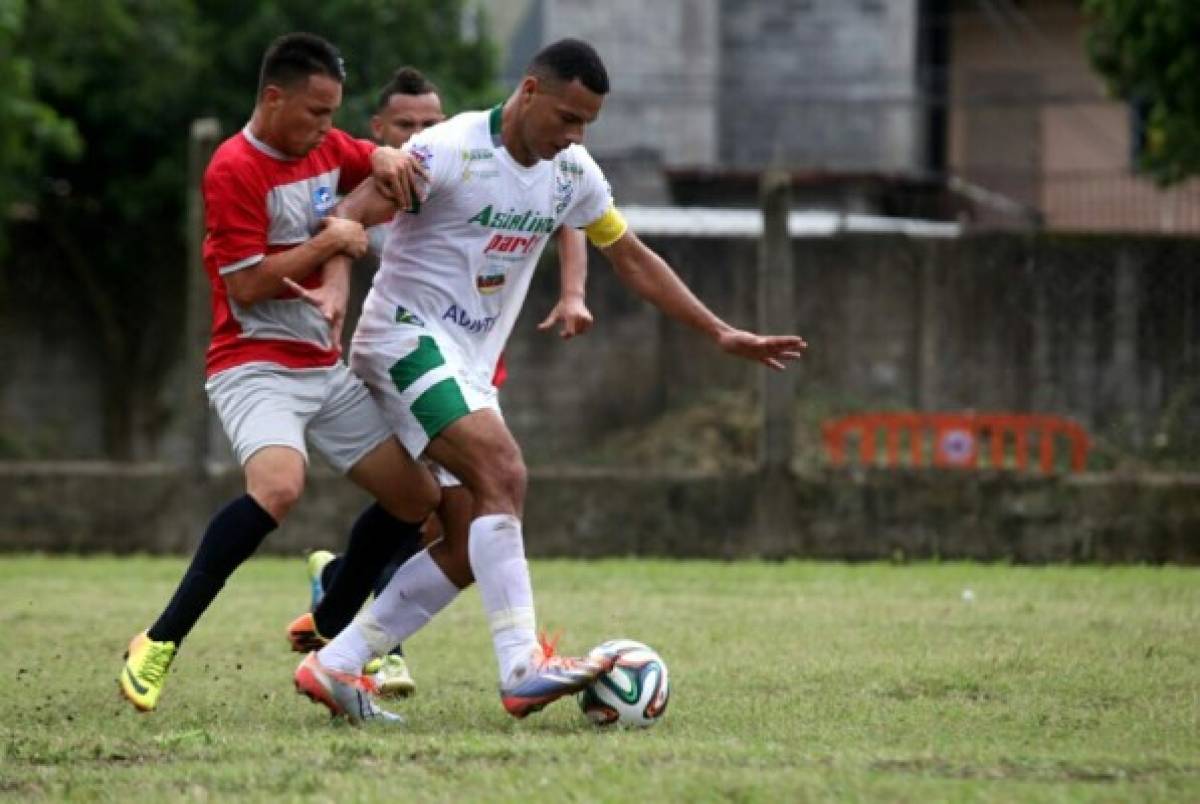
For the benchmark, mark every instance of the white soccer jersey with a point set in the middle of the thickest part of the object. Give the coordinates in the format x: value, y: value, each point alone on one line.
x: 461, y: 265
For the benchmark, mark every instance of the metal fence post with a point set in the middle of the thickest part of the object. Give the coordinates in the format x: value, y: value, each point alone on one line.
x: 205, y: 135
x: 776, y: 316
x: 775, y: 506
x: 1125, y: 370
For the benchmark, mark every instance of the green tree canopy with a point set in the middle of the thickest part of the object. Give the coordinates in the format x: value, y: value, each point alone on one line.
x: 103, y: 94
x: 29, y: 129
x: 1149, y: 51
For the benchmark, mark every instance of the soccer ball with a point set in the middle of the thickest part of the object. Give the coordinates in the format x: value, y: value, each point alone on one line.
x: 633, y: 693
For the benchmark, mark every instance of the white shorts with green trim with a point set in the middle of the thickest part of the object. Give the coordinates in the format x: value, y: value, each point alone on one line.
x: 420, y: 383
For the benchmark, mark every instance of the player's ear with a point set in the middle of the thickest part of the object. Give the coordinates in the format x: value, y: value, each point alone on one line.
x: 529, y: 87
x: 272, y: 95
x: 377, y: 128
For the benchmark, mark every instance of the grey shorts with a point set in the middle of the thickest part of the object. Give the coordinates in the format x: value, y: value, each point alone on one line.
x: 266, y: 405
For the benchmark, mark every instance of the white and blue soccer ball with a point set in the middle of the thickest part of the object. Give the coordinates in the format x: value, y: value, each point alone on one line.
x: 634, y: 693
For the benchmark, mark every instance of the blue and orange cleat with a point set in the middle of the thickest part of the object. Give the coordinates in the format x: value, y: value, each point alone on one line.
x: 551, y: 676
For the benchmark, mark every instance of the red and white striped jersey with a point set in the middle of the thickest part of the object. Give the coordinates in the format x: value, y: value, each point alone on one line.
x: 258, y: 202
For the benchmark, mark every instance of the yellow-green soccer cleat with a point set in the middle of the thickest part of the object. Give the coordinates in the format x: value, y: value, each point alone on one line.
x: 317, y: 560
x: 145, y: 671
x: 391, y: 676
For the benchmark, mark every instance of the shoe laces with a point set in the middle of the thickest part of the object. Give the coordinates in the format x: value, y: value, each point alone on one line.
x: 550, y: 656
x: 157, y: 661
x: 359, y: 682
x: 548, y: 644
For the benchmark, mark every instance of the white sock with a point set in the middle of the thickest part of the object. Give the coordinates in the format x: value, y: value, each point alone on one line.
x: 497, y: 552
x: 348, y: 651
x: 417, y: 591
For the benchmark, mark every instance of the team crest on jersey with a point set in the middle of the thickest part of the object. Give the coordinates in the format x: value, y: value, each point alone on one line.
x: 564, y: 191
x: 423, y: 154
x: 569, y: 166
x: 323, y: 200
x: 406, y: 316
x: 489, y: 283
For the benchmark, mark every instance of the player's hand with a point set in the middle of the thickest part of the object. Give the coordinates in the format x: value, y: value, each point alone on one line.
x: 571, y: 315
x: 330, y: 302
x: 774, y: 351
x: 351, y: 236
x: 398, y: 175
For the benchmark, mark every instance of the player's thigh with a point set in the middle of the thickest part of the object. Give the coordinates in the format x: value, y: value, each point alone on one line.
x: 404, y: 487
x: 261, y: 405
x: 479, y: 450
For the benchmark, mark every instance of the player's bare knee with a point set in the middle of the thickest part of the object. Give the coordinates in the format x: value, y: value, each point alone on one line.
x: 278, y: 495
x: 502, y: 481
x: 515, y: 479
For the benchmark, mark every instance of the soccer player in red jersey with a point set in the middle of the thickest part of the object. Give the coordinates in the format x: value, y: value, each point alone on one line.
x: 274, y: 371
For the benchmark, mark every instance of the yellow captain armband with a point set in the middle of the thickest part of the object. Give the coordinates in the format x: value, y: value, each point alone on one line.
x: 607, y: 229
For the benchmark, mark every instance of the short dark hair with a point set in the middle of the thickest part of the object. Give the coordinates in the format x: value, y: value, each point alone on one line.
x: 294, y: 57
x: 568, y: 59
x: 405, y: 81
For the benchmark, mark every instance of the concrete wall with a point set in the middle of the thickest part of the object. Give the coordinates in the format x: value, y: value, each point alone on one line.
x: 1101, y: 329
x: 821, y: 84
x: 663, y: 61
x: 571, y: 512
x: 706, y: 83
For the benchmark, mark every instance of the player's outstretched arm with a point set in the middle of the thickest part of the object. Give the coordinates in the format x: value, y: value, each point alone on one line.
x: 367, y: 205
x: 570, y: 313
x: 649, y: 276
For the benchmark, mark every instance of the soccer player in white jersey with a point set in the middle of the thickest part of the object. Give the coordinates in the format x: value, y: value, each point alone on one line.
x: 453, y: 279
x: 408, y: 105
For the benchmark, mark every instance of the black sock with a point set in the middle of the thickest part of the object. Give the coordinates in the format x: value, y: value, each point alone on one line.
x: 232, y: 536
x: 374, y: 539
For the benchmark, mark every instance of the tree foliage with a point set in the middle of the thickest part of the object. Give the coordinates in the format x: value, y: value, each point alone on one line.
x: 1150, y: 53
x: 29, y: 129
x: 104, y: 93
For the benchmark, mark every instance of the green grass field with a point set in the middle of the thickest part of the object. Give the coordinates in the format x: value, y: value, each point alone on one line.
x: 793, y: 681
